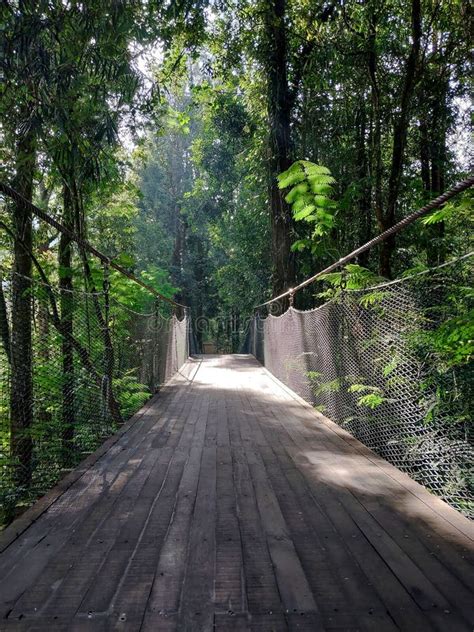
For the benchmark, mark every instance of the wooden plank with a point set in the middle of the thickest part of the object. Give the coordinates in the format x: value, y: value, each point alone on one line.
x: 261, y: 587
x: 196, y: 605
x: 323, y: 554
x: 229, y: 583
x: 137, y: 588
x: 426, y: 529
x: 231, y: 622
x: 338, y: 502
x: 88, y: 506
x: 239, y: 503
x: 405, y: 538
x: 31, y: 515
x: 197, y: 594
x: 268, y: 622
x: 93, y: 509
x: 349, y: 532
x: 294, y: 589
x: 66, y: 509
x: 102, y: 585
x: 429, y: 501
x: 445, y: 561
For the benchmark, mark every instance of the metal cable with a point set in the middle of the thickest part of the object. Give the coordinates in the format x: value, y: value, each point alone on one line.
x: 85, y: 380
x: 436, y: 203
x: 371, y: 361
x: 18, y: 198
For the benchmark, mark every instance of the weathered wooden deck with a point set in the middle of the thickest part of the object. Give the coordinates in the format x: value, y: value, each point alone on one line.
x: 229, y: 504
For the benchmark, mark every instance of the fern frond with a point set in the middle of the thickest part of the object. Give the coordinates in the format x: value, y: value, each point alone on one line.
x: 321, y: 189
x: 296, y: 191
x: 321, y: 179
x: 301, y: 202
x: 304, y: 212
x: 312, y: 169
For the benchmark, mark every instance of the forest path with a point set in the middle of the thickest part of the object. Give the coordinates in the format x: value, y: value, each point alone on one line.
x: 228, y: 503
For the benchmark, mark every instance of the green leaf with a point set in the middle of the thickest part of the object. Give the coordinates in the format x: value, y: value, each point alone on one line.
x: 305, y: 211
x: 321, y: 189
x: 296, y: 191
x: 323, y: 201
x: 291, y: 176
x: 320, y: 180
x: 303, y: 200
x: 125, y: 260
x: 313, y: 169
x: 300, y: 245
x: 371, y: 401
x: 440, y: 215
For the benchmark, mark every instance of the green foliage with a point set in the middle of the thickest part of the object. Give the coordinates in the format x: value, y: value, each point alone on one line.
x: 352, y: 277
x: 453, y: 340
x: 130, y: 393
x: 374, y: 395
x: 310, y: 198
x: 321, y: 388
x: 458, y: 208
x: 371, y: 299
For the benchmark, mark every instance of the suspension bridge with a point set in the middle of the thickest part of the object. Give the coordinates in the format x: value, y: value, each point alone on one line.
x: 254, y: 491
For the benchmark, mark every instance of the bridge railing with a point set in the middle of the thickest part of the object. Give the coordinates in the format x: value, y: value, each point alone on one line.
x: 75, y: 361
x: 385, y: 364
x: 392, y: 364
x: 85, y: 380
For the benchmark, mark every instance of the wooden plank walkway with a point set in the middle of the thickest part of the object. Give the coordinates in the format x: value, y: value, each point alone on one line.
x: 229, y: 504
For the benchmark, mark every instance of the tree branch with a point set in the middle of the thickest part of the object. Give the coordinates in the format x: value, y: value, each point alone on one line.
x: 305, y: 54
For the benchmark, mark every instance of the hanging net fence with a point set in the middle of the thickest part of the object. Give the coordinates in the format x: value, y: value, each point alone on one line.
x: 87, y: 364
x: 388, y: 364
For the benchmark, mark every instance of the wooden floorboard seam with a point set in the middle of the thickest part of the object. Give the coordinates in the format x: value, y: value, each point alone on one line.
x: 229, y: 504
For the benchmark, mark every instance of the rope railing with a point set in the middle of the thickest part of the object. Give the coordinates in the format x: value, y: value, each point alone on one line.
x: 383, y: 363
x: 118, y: 358
x: 387, y: 364
x: 87, y: 364
x: 19, y: 199
x: 390, y: 232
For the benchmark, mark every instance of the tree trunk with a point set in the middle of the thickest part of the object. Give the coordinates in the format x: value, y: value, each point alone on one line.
x: 425, y: 155
x: 364, y: 194
x: 4, y: 324
x: 279, y: 111
x: 376, y: 132
x: 437, y: 253
x: 67, y: 311
x: 400, y: 130
x: 385, y: 213
x: 21, y: 395
x: 109, y: 353
x: 434, y: 159
x: 178, y: 253
x: 200, y: 280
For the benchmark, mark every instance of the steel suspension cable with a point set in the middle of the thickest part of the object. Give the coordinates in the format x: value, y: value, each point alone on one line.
x: 393, y: 230
x: 17, y: 197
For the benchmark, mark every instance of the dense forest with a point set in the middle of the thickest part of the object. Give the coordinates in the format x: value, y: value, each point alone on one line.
x: 158, y: 131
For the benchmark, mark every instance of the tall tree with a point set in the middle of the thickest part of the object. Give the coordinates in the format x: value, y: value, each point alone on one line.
x: 400, y: 132
x: 23, y: 47
x: 279, y: 105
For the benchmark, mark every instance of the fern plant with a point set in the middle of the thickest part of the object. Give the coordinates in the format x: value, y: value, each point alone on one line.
x: 373, y: 395
x: 353, y: 277
x: 310, y: 197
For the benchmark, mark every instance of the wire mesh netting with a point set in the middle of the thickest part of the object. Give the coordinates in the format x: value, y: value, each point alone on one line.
x: 384, y: 363
x: 90, y: 364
